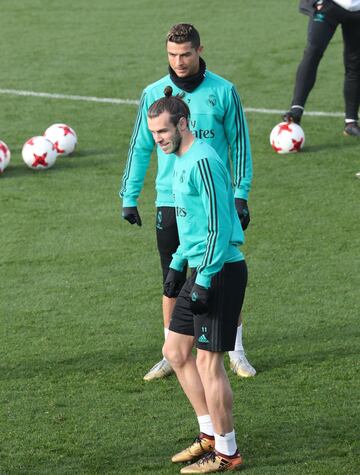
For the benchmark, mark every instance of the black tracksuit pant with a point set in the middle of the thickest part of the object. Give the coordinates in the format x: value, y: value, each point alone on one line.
x: 322, y: 26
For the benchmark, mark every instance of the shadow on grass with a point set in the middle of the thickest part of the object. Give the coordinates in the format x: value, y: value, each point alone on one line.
x: 330, y: 146
x: 78, y: 160
x: 304, y: 358
x: 86, y: 363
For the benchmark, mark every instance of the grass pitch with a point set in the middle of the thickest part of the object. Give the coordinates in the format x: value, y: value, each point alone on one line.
x: 80, y: 288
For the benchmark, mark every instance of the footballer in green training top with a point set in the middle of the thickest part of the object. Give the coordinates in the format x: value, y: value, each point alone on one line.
x: 209, y: 302
x: 218, y: 119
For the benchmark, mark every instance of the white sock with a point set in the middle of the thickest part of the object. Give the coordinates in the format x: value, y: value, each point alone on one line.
x: 349, y: 121
x: 226, y: 443
x: 166, y: 332
x: 238, y: 344
x: 205, y: 424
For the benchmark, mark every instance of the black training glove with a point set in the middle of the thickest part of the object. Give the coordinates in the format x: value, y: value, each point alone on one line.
x: 173, y: 283
x: 243, y: 212
x: 199, y: 299
x: 131, y: 214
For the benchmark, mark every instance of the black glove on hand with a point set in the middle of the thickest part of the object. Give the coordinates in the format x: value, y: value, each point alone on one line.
x: 173, y: 283
x: 131, y: 214
x: 199, y: 299
x: 243, y: 212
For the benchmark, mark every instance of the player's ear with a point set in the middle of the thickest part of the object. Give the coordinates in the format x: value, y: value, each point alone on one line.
x: 200, y: 49
x: 183, y: 123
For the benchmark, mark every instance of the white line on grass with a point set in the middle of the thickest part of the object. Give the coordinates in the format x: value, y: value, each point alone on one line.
x: 109, y: 100
x: 47, y: 95
x: 278, y: 111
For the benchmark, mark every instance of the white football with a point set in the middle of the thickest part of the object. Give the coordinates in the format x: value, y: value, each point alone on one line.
x: 4, y: 156
x: 63, y: 137
x: 39, y: 153
x: 287, y: 138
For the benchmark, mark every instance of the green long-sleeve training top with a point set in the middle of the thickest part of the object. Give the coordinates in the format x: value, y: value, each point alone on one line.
x: 208, y: 224
x: 216, y: 117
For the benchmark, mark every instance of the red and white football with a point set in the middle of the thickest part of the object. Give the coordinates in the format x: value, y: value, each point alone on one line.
x: 287, y: 138
x: 39, y: 153
x: 63, y: 137
x: 4, y: 156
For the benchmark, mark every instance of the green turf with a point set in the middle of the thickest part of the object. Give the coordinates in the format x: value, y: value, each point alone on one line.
x: 80, y: 289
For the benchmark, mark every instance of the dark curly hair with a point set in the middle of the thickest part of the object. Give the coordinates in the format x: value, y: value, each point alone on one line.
x: 182, y: 33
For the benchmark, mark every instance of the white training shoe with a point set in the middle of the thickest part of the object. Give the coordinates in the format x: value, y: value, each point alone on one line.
x: 241, y: 366
x: 162, y: 369
x: 357, y: 175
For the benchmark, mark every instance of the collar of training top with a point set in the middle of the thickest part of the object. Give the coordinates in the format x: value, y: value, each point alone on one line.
x: 190, y: 83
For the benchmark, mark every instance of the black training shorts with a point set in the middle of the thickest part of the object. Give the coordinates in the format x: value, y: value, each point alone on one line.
x: 167, y: 237
x: 215, y: 330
